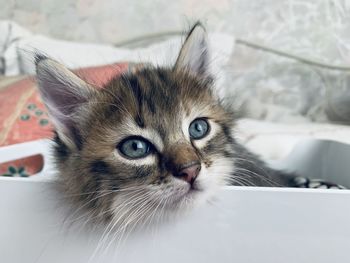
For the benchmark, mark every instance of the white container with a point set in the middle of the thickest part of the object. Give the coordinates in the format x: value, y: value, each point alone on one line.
x: 245, y: 224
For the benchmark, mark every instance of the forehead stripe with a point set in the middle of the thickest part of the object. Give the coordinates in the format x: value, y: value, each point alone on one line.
x: 134, y: 84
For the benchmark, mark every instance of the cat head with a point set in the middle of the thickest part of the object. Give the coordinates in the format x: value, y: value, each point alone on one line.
x: 150, y: 142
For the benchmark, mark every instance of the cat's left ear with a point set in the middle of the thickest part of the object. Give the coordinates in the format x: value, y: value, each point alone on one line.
x: 194, y: 54
x: 65, y: 96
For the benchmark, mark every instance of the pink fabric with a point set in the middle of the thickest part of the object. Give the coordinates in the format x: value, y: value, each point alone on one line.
x: 23, y: 116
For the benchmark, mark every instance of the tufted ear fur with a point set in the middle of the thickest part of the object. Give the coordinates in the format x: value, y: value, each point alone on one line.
x: 194, y: 55
x: 64, y: 95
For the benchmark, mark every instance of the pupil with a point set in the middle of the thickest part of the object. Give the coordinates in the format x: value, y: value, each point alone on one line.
x: 198, y: 127
x: 135, y: 146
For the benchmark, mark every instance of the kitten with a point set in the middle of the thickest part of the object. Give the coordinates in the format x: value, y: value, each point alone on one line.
x: 149, y: 142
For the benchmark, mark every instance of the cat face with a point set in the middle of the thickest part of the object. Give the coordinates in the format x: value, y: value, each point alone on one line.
x: 149, y: 142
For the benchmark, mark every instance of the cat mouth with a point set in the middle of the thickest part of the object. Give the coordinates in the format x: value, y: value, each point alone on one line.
x: 195, y: 188
x: 192, y: 191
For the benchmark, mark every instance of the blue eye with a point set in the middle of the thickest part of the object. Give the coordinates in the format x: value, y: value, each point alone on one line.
x: 135, y: 147
x: 198, y: 129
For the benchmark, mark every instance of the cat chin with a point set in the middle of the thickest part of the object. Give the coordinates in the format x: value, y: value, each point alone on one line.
x: 157, y: 206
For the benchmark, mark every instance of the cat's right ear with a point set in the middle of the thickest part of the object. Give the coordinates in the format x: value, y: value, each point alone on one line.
x: 64, y: 95
x: 194, y: 54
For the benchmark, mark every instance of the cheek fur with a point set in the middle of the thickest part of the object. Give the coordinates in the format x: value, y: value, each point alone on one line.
x: 143, y: 203
x: 217, y: 174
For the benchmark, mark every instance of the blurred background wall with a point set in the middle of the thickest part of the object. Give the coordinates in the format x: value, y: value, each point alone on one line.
x: 106, y: 21
x: 314, y: 29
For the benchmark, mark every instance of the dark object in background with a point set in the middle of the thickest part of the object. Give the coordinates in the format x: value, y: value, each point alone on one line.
x: 338, y: 108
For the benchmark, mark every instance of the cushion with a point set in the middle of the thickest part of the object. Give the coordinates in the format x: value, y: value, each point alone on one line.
x: 23, y: 116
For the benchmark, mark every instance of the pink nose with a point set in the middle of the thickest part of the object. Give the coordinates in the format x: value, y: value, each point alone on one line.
x: 190, y: 173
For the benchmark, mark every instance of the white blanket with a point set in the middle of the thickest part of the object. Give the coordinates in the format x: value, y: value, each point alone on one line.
x: 19, y: 45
